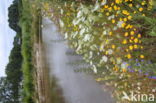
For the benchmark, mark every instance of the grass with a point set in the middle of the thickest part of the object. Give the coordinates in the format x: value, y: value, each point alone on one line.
x: 29, y: 28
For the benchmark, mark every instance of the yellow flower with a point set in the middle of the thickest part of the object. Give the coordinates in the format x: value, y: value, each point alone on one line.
x: 132, y: 37
x: 115, y: 7
x: 125, y: 12
x: 110, y: 8
x: 124, y: 70
x: 139, y: 35
x: 113, y: 46
x: 126, y: 34
x: 124, y: 41
x: 130, y: 5
x: 141, y: 47
x: 135, y: 46
x: 110, y: 33
x: 130, y: 41
x: 120, y: 19
x: 134, y: 12
x: 118, y: 8
x: 142, y: 56
x: 106, y: 6
x: 125, y: 19
x: 143, y: 3
x: 129, y: 17
x: 112, y: 4
x: 136, y: 40
x: 107, y: 13
x: 127, y: 50
x: 140, y: 9
x: 131, y: 47
x: 113, y: 21
x: 129, y: 56
x: 118, y: 1
x: 123, y: 25
x: 132, y: 33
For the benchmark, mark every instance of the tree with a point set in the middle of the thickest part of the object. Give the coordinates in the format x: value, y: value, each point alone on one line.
x: 14, y: 16
x: 5, y: 92
x: 10, y: 86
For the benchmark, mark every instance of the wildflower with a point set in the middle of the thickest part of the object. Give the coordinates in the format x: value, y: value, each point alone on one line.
x: 136, y: 40
x: 124, y: 70
x: 140, y: 9
x: 125, y: 12
x: 130, y: 41
x: 115, y: 7
x: 130, y: 5
x: 107, y: 14
x: 134, y: 12
x: 123, y: 25
x: 135, y: 46
x: 132, y: 33
x: 113, y: 21
x: 129, y: 56
x: 126, y: 34
x: 110, y: 9
x: 113, y: 46
x: 124, y: 41
x: 139, y: 35
x: 118, y: 8
x: 110, y: 33
x: 131, y: 47
x: 132, y: 37
x: 142, y: 56
x: 129, y: 17
x: 105, y: 58
x: 120, y: 19
x: 118, y: 1
x: 106, y: 6
x: 141, y: 47
x: 143, y: 3
x: 127, y: 50
x: 125, y: 19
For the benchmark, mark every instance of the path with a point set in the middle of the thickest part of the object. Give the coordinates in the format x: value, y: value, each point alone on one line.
x: 77, y: 87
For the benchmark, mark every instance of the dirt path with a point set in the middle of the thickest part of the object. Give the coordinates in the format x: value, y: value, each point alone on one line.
x: 77, y: 87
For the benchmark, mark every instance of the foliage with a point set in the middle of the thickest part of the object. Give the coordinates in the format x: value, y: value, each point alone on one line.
x: 14, y: 15
x: 5, y: 93
x: 116, y: 37
x: 11, y: 85
x: 29, y: 19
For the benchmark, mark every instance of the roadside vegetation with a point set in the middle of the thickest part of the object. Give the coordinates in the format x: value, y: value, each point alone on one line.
x: 116, y: 37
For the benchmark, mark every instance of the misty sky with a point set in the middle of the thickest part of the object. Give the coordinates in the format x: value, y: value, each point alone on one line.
x: 6, y: 35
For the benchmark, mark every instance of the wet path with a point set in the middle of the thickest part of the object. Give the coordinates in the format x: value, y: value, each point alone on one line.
x: 77, y: 87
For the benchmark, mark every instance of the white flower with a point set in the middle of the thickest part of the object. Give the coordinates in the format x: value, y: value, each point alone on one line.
x: 119, y: 60
x: 90, y: 54
x: 120, y: 24
x: 104, y: 2
x: 111, y: 17
x: 110, y: 51
x: 82, y: 31
x: 79, y: 14
x: 94, y: 69
x: 124, y: 65
x: 66, y: 35
x: 61, y: 11
x: 97, y: 6
x: 61, y: 23
x: 104, y: 58
x: 87, y: 37
x: 105, y: 32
